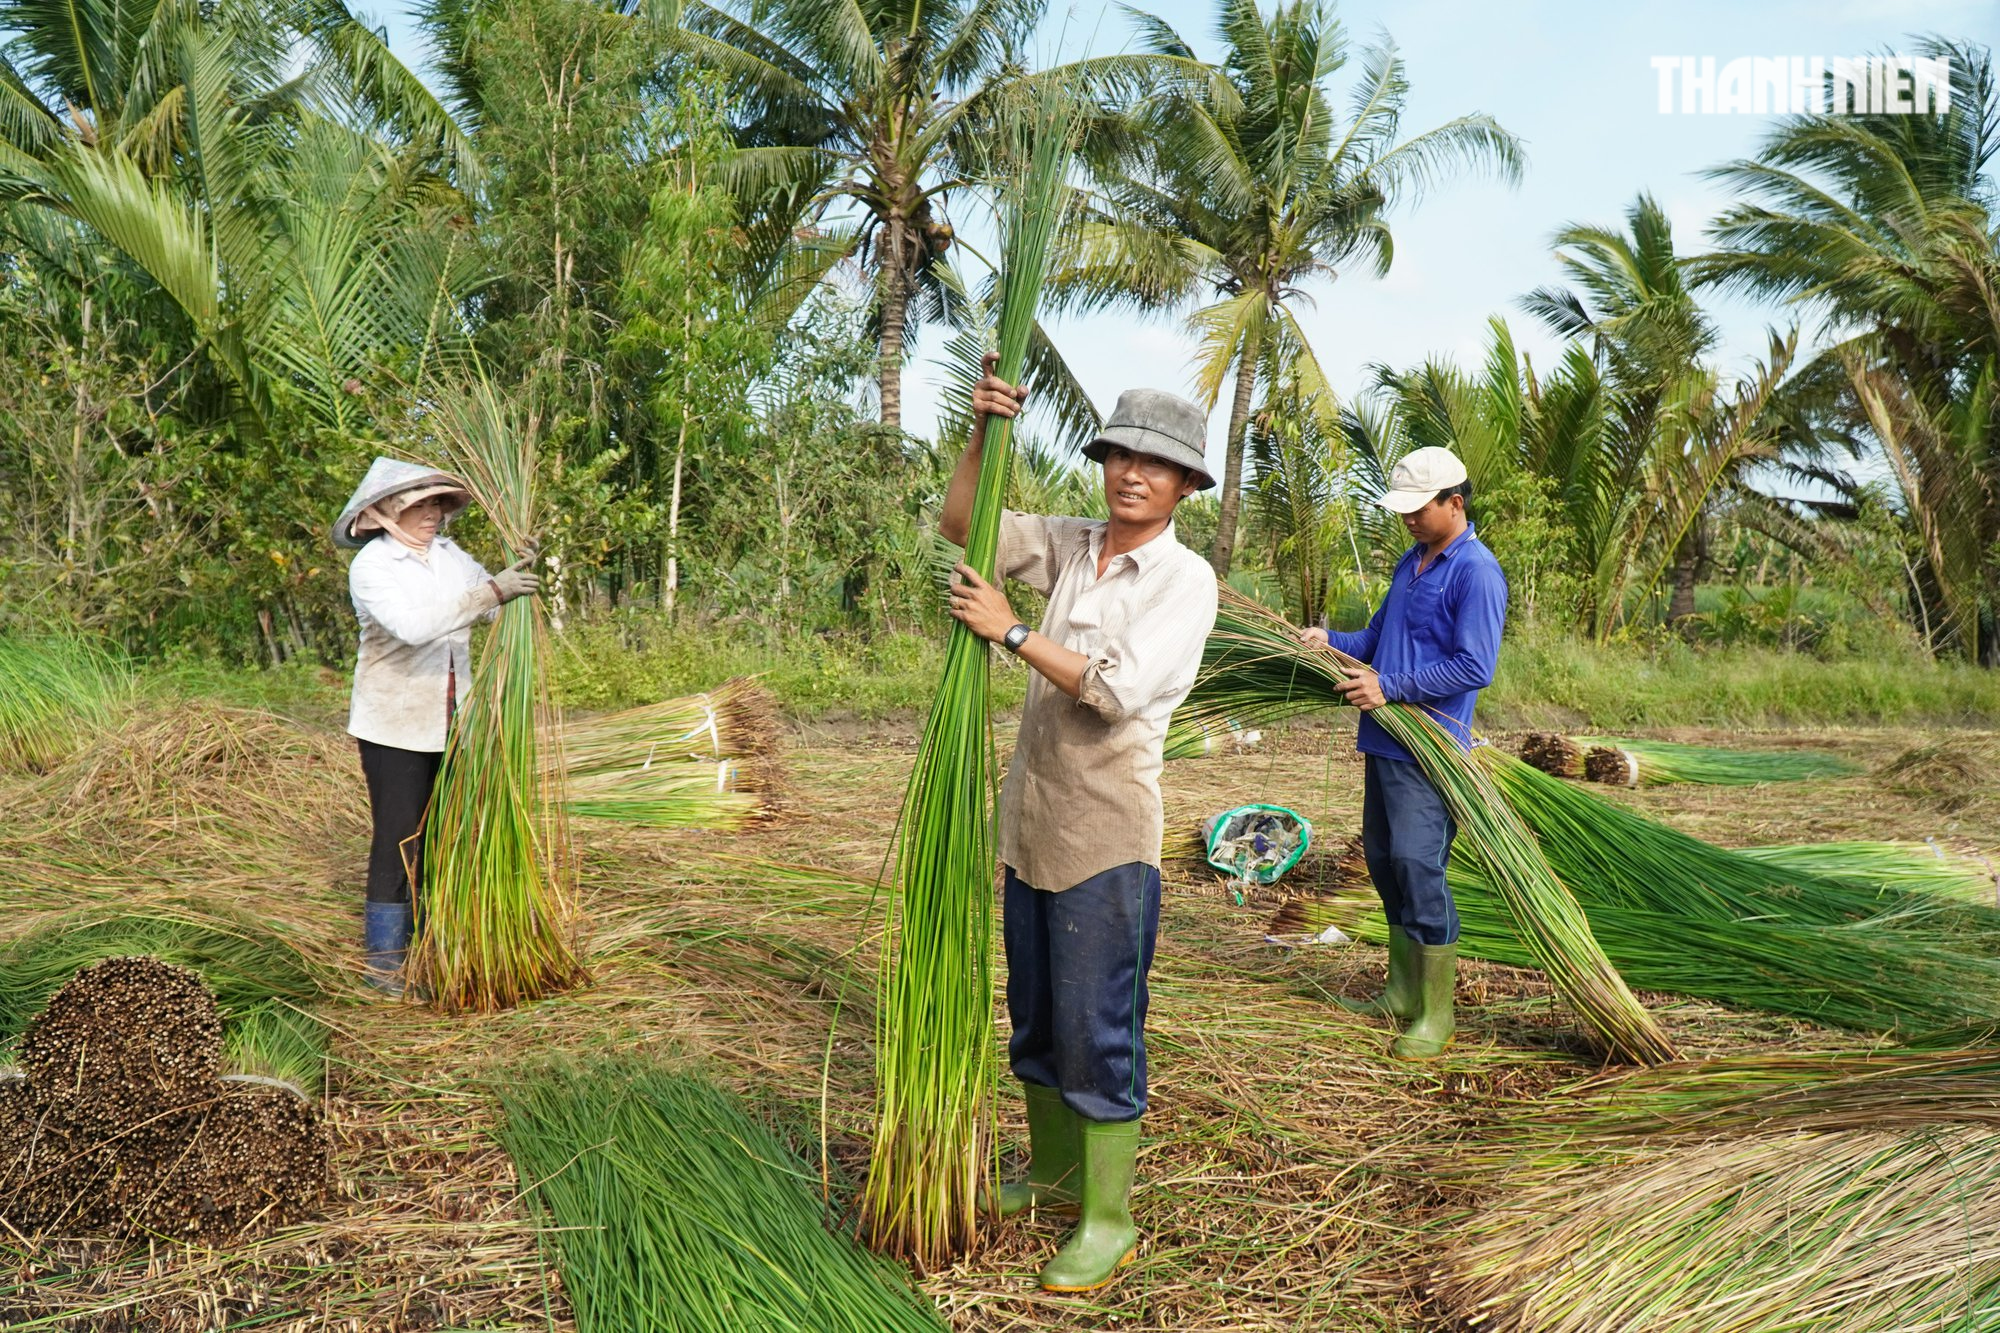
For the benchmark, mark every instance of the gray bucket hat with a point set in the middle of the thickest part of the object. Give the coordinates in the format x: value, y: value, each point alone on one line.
x: 1165, y: 425
x: 392, y: 476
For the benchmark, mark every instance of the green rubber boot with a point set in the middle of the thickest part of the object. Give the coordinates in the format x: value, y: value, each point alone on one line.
x: 1053, y: 1149
x: 1430, y: 1031
x: 1399, y: 998
x: 1105, y: 1240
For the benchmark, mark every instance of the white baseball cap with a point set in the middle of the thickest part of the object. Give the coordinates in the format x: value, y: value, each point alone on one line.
x: 1418, y: 476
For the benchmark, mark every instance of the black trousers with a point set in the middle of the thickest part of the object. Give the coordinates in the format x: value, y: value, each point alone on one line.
x: 399, y: 787
x: 1076, y: 987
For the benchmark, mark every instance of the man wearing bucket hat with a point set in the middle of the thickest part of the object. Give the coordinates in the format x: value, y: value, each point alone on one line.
x: 1080, y: 814
x: 1433, y: 643
x: 416, y: 593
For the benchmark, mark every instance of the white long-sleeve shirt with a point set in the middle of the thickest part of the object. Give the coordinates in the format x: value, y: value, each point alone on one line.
x: 416, y: 634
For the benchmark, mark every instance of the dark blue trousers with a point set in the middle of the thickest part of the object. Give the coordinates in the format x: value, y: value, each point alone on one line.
x: 1406, y: 833
x: 1076, y: 987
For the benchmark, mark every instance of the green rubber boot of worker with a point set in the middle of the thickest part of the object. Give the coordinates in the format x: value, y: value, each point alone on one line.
x: 1437, y: 978
x: 1105, y: 1239
x: 1399, y: 998
x: 1054, y: 1147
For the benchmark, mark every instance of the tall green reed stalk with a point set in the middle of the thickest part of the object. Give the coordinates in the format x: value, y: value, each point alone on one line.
x: 497, y: 904
x: 935, y: 1062
x: 55, y: 691
x: 1255, y: 668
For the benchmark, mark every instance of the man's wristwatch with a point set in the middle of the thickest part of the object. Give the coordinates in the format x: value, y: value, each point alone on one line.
x: 1014, y: 638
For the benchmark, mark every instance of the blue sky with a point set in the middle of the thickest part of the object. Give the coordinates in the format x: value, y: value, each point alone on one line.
x: 1572, y: 79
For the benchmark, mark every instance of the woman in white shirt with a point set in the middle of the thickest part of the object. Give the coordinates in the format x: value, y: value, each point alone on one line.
x: 417, y: 594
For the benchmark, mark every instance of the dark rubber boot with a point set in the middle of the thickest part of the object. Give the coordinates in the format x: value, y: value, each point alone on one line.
x: 386, y: 937
x: 1399, y: 998
x: 1053, y: 1148
x: 1105, y: 1240
x: 1437, y: 977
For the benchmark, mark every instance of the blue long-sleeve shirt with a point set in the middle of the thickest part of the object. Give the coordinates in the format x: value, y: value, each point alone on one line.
x: 1435, y: 639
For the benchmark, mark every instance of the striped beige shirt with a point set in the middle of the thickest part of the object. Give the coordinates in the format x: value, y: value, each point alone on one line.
x: 1083, y: 789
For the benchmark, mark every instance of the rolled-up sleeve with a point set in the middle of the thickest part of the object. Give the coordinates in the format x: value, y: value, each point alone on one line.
x: 1159, y: 655
x: 406, y: 613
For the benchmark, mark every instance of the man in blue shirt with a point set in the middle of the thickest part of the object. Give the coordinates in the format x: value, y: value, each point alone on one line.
x: 1433, y: 643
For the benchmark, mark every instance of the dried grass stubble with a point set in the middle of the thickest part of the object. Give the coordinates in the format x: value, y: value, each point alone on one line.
x: 1828, y: 1233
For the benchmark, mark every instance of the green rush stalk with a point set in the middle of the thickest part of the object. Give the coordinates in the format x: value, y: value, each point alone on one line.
x: 497, y: 903
x: 1642, y: 763
x: 935, y: 1061
x: 1617, y: 857
x: 1255, y: 668
x: 55, y: 691
x: 671, y: 1209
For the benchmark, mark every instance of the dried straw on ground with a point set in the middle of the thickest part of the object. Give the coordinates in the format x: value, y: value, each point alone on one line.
x: 1794, y: 1233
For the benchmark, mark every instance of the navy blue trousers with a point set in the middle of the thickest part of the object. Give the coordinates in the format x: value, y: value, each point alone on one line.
x: 1406, y: 833
x: 1076, y: 987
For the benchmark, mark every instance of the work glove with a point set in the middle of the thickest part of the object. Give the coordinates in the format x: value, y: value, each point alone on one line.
x: 517, y: 580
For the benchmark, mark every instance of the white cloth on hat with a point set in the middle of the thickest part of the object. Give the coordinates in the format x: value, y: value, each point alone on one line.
x: 416, y: 633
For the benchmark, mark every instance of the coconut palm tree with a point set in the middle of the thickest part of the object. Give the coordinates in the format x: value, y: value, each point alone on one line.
x: 1626, y: 474
x: 271, y: 169
x: 1884, y: 228
x: 1632, y: 302
x: 1248, y: 187
x: 883, y: 109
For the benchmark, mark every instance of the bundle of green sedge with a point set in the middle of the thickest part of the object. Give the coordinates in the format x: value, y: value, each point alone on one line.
x: 498, y: 908
x: 935, y: 1063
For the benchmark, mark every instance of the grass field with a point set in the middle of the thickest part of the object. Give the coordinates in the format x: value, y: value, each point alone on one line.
x: 1293, y: 1177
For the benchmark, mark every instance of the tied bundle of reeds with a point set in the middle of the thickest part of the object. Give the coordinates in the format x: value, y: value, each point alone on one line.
x: 498, y: 903
x: 1553, y: 753
x: 736, y: 720
x: 1255, y: 669
x: 700, y: 761
x: 124, y: 1124
x: 56, y: 691
x: 669, y: 1208
x: 1623, y: 762
x: 935, y: 1067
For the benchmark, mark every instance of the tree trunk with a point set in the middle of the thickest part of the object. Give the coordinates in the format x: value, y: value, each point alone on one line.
x: 895, y: 312
x: 1224, y: 549
x: 673, y: 580
x: 1687, y: 571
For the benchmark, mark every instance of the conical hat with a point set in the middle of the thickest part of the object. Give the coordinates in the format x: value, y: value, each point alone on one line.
x: 387, y: 477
